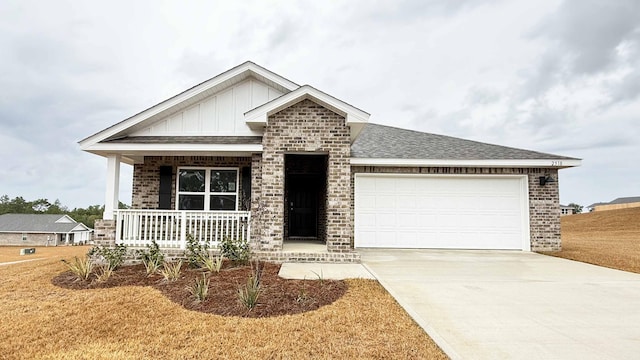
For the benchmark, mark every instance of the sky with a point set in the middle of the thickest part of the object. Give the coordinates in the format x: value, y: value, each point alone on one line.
x: 560, y: 77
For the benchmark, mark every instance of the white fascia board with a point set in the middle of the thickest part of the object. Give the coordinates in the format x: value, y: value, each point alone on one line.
x: 134, y: 148
x: 534, y: 163
x: 198, y: 89
x: 258, y: 117
x: 80, y: 227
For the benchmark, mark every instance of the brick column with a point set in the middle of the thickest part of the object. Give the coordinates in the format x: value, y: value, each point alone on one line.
x: 104, y: 232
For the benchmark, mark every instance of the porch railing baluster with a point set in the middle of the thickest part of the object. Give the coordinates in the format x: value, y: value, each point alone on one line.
x: 169, y: 228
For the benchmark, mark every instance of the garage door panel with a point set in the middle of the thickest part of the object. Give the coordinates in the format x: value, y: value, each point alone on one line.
x: 440, y: 212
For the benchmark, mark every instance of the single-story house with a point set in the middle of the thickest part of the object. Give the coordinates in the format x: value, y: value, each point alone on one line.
x: 619, y: 203
x: 42, y: 230
x: 566, y: 210
x: 252, y: 155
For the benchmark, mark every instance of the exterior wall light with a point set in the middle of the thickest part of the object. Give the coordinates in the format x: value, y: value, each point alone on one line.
x: 546, y: 179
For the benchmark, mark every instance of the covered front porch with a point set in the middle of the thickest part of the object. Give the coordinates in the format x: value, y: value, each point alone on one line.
x: 213, y: 198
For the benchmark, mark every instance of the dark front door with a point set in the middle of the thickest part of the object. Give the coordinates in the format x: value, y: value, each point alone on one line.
x: 303, y: 207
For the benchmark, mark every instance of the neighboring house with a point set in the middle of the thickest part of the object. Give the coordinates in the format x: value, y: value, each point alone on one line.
x: 42, y: 230
x: 619, y: 203
x: 249, y: 154
x: 566, y: 210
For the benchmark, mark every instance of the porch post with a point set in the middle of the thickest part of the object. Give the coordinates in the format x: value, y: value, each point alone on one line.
x: 113, y: 186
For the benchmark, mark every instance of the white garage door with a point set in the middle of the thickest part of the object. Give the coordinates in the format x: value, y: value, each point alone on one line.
x: 446, y: 212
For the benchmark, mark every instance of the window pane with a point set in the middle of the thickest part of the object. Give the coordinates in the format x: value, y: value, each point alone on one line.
x: 223, y: 180
x: 191, y: 202
x: 223, y: 202
x: 191, y: 180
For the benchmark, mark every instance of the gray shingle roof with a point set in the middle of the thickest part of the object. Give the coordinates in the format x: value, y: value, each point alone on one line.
x: 626, y: 200
x: 40, y: 223
x: 386, y: 142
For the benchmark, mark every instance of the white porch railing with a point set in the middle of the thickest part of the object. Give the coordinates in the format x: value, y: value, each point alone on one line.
x: 169, y: 228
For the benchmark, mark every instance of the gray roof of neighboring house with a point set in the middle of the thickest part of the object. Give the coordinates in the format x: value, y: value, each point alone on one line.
x: 386, y: 142
x: 39, y: 223
x: 188, y: 140
x: 596, y: 204
x: 626, y: 200
x: 622, y: 200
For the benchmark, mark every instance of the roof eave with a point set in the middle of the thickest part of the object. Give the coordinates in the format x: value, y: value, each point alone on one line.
x: 528, y: 163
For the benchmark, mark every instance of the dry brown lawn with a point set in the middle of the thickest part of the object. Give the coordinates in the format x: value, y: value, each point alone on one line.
x: 12, y: 253
x: 606, y: 238
x: 40, y: 320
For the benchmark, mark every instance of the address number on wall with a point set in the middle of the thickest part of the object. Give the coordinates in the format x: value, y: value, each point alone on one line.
x: 556, y: 162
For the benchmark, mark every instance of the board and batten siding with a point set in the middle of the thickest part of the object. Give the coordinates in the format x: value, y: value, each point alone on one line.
x: 221, y: 114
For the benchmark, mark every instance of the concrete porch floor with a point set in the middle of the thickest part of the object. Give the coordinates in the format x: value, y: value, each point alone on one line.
x: 304, y: 246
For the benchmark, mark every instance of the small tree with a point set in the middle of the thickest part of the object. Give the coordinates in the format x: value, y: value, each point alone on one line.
x: 577, y: 209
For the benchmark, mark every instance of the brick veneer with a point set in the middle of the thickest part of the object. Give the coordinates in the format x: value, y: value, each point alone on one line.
x: 104, y: 232
x: 544, y: 207
x: 305, y: 127
x: 146, y: 176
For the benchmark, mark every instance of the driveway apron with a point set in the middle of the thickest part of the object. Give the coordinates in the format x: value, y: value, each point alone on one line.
x: 512, y: 304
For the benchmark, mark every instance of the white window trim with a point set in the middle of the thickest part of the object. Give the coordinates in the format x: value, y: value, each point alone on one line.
x: 24, y: 236
x: 207, y: 186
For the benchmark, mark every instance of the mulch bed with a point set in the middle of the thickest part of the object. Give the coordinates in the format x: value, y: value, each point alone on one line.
x: 278, y: 296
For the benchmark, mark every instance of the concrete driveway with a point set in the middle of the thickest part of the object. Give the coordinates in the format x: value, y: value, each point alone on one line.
x: 514, y: 305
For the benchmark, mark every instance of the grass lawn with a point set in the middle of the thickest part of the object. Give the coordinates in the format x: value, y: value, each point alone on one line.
x: 606, y: 238
x: 40, y: 320
x: 12, y: 253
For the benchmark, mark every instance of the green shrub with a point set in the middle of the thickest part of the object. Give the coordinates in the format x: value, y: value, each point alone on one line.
x: 152, y: 257
x: 114, y: 256
x: 80, y: 267
x: 151, y: 253
x: 195, y: 251
x: 235, y: 250
x: 200, y: 288
x: 171, y: 271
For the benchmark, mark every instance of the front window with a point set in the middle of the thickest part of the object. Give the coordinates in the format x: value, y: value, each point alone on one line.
x: 207, y: 189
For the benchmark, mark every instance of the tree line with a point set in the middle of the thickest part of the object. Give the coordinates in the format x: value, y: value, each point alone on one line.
x: 19, y: 205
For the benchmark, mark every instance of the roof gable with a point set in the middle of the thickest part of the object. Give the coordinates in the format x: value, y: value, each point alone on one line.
x: 188, y: 98
x: 355, y: 118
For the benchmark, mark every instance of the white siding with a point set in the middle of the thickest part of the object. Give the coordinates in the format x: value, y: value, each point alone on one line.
x: 217, y: 115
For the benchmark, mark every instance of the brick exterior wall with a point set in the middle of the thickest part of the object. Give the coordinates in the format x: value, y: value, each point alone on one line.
x: 305, y: 127
x: 146, y: 176
x: 544, y: 202
x: 104, y: 232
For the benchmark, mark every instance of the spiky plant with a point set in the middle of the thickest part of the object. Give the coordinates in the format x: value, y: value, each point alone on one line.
x: 171, y: 270
x: 200, y: 288
x: 80, y: 267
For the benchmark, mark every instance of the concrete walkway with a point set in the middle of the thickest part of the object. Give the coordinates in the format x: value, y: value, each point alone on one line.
x: 313, y: 271
x: 514, y: 305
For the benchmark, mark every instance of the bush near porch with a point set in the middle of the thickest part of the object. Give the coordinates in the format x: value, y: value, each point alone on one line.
x: 40, y: 320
